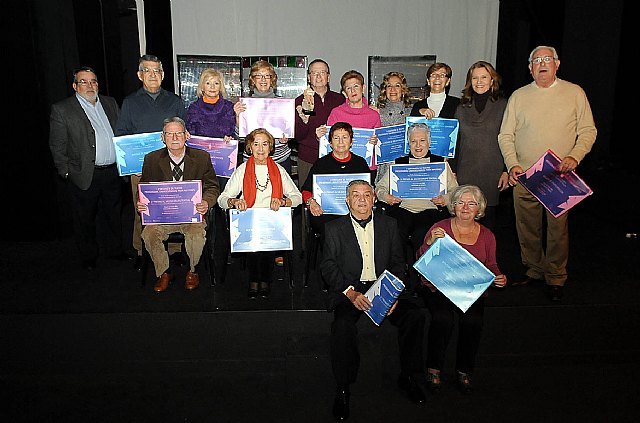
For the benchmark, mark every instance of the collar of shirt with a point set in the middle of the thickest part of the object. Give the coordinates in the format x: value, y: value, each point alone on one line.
x: 362, y: 222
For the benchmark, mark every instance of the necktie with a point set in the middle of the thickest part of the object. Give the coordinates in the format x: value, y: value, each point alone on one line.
x: 177, y: 170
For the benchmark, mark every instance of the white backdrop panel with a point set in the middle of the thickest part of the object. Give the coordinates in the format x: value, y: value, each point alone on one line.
x: 342, y: 32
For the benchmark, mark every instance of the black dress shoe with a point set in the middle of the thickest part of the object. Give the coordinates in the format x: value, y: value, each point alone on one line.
x: 526, y: 280
x: 341, y: 405
x: 89, y: 264
x: 411, y: 386
x: 264, y: 290
x: 556, y: 292
x: 464, y: 383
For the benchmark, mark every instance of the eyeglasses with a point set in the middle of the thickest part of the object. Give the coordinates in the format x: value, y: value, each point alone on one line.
x: 84, y: 82
x: 153, y: 71
x: 173, y: 134
x: 470, y: 204
x: 538, y: 60
x: 319, y: 73
x: 261, y: 76
x: 439, y: 75
x: 353, y: 87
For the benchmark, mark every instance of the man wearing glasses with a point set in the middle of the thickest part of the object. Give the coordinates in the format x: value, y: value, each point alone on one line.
x: 177, y: 162
x: 549, y: 113
x: 144, y: 111
x: 80, y: 139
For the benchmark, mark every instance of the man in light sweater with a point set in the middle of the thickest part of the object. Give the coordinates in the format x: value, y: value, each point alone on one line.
x: 547, y: 114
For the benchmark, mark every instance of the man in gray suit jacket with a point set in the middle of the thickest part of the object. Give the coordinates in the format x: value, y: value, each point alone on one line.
x: 81, y: 142
x: 357, y: 249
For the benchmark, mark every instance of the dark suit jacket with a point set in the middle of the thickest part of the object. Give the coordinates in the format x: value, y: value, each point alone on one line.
x: 197, y: 165
x: 448, y: 108
x: 341, y: 264
x: 72, y: 139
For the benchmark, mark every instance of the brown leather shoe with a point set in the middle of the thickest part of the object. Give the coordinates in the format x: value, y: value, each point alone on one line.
x: 192, y: 281
x: 163, y: 282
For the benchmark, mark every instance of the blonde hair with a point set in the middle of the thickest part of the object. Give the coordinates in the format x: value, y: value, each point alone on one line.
x: 205, y: 76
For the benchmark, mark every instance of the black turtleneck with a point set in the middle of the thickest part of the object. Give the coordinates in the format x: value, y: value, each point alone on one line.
x: 480, y: 100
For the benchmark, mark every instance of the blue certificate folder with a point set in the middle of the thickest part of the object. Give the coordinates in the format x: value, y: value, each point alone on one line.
x: 444, y: 135
x: 382, y: 294
x: 391, y: 143
x: 455, y: 272
x: 420, y: 180
x: 224, y: 156
x: 360, y: 147
x: 260, y: 229
x: 558, y: 192
x: 170, y: 202
x: 131, y: 149
x: 330, y: 190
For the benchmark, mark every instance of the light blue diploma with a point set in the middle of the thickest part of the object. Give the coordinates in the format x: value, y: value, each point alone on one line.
x: 444, y: 135
x: 276, y: 115
x: 360, y: 147
x: 224, y: 156
x: 420, y: 180
x: 260, y: 229
x: 558, y: 192
x: 382, y: 294
x: 131, y: 149
x: 455, y: 272
x: 170, y: 202
x: 391, y: 143
x: 330, y: 190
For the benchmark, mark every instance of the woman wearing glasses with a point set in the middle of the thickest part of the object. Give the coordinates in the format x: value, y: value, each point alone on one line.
x: 263, y: 84
x: 466, y: 205
x: 437, y: 103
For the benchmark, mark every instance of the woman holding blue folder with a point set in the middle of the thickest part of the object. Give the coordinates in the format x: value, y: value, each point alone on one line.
x: 466, y: 204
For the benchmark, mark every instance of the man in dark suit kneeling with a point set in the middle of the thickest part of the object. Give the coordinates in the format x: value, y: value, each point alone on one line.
x: 358, y: 248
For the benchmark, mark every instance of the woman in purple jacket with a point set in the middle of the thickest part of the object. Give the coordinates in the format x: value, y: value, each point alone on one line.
x: 211, y: 115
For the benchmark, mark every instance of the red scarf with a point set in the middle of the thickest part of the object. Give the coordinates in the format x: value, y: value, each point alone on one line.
x: 249, y: 182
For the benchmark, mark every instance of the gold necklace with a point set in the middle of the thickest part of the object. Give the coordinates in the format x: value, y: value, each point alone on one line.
x: 262, y: 187
x: 462, y: 234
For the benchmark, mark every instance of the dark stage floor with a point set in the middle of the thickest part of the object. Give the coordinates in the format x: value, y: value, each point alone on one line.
x: 96, y: 346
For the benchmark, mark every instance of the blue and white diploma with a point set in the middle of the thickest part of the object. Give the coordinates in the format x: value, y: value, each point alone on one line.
x: 131, y: 149
x: 224, y: 156
x: 455, y: 272
x: 260, y: 229
x: 420, y: 180
x: 360, y: 147
x: 382, y: 294
x: 170, y: 202
x: 391, y: 143
x: 330, y: 190
x: 444, y: 135
x: 558, y: 192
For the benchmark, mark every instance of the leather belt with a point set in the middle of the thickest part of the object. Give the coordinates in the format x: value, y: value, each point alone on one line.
x: 104, y: 166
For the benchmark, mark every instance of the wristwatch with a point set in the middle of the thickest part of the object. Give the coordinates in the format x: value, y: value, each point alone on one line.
x: 309, y: 201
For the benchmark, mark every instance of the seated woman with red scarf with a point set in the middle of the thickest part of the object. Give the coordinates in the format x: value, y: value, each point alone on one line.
x: 260, y: 182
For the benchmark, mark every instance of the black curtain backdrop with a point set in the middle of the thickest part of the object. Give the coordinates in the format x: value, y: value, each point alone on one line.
x: 49, y: 38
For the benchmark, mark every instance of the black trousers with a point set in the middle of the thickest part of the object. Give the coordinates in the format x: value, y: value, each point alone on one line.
x: 103, y: 196
x: 443, y: 316
x: 345, y: 355
x: 260, y: 266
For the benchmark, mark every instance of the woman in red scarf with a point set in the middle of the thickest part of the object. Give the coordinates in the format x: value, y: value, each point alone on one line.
x: 260, y: 182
